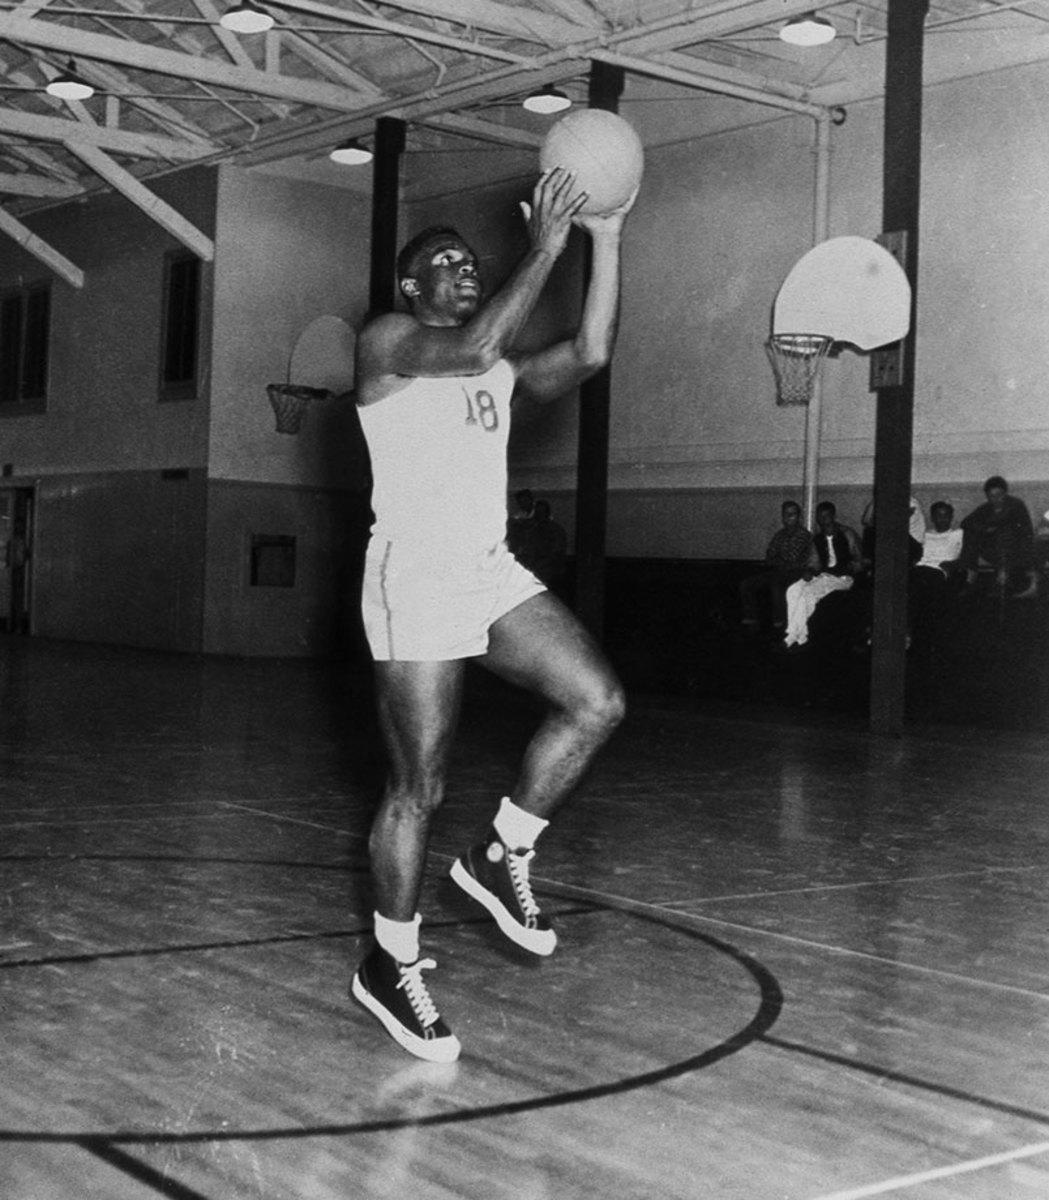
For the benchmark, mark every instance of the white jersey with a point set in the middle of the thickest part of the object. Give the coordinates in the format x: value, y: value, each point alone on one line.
x: 941, y: 547
x: 438, y: 457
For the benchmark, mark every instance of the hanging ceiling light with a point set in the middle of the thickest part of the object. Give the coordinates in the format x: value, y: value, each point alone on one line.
x: 808, y: 30
x: 547, y: 100
x: 67, y: 85
x: 351, y: 153
x: 246, y: 17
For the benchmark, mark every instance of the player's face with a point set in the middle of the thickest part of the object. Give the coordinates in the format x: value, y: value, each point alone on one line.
x: 447, y: 282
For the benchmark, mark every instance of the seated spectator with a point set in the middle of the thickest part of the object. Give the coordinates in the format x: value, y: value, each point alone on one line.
x: 941, y: 545
x: 516, y: 521
x: 932, y: 574
x: 999, y: 534
x: 846, y: 620
x: 541, y: 545
x: 835, y: 560
x: 785, y: 558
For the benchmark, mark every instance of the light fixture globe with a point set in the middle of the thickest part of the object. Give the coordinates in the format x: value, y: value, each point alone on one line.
x: 246, y: 17
x: 67, y: 85
x: 808, y: 30
x: 547, y: 100
x: 351, y: 154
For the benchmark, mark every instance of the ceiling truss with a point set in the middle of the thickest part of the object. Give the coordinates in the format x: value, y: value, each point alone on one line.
x: 174, y: 87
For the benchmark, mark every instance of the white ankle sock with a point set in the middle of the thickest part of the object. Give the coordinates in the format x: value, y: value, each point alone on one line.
x: 398, y: 938
x: 517, y: 828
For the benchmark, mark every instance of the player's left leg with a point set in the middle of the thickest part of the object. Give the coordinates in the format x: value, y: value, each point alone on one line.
x: 540, y: 646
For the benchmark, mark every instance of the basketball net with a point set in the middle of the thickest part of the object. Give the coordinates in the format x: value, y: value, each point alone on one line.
x: 795, y: 359
x: 289, y: 402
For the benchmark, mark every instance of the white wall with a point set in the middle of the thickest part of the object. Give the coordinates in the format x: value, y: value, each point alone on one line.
x: 285, y: 253
x: 103, y: 412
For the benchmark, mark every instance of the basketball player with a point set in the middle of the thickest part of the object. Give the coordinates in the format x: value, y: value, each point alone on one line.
x: 434, y: 387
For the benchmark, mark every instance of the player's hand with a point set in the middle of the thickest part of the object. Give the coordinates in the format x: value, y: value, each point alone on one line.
x: 598, y: 224
x: 556, y: 199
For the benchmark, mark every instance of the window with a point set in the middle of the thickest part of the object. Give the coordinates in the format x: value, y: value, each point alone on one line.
x: 25, y: 322
x: 178, y: 362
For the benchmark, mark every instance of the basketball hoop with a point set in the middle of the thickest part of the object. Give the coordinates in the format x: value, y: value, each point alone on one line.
x: 795, y: 359
x: 289, y: 402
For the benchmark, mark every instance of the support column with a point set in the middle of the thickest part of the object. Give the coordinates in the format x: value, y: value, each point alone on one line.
x: 606, y: 86
x: 814, y: 409
x: 386, y: 178
x: 901, y: 196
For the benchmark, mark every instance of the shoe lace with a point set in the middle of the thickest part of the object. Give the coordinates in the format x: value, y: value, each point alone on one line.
x: 518, y: 867
x: 415, y: 989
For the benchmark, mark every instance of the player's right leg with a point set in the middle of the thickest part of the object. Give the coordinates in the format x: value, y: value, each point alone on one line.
x: 418, y: 705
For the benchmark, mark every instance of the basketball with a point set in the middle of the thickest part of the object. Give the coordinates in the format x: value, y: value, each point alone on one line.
x: 602, y: 150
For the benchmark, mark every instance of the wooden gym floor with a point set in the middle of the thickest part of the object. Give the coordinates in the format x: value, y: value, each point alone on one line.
x: 797, y: 962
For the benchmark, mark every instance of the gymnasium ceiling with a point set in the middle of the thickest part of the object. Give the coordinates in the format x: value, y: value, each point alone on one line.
x: 173, y: 87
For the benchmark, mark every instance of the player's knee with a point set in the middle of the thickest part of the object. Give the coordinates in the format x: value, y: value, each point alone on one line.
x: 418, y: 798
x: 604, y: 706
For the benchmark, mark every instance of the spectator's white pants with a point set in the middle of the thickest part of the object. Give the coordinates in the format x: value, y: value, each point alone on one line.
x: 802, y: 598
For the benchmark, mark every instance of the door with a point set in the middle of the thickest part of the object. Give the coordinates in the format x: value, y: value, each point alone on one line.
x: 16, y: 544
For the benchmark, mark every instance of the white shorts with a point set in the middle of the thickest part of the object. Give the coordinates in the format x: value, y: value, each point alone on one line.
x: 422, y: 609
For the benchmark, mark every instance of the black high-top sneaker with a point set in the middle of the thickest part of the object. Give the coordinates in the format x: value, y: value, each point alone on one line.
x: 396, y: 994
x: 497, y: 877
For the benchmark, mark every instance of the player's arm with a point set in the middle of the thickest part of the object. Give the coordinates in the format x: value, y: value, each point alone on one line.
x: 397, y: 345
x: 549, y: 373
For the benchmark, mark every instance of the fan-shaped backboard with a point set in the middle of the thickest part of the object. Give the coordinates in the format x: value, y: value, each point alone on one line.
x: 849, y: 288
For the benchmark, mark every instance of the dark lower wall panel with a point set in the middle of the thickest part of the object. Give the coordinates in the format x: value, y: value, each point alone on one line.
x: 737, y: 522
x: 118, y: 557
x: 283, y: 570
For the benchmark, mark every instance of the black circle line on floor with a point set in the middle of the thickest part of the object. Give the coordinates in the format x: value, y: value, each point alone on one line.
x: 769, y: 1007
x: 273, y: 939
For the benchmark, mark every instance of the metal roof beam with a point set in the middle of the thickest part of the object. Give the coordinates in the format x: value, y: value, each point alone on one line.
x: 67, y: 40
x: 518, y: 22
x: 139, y: 195
x: 139, y: 145
x: 38, y: 248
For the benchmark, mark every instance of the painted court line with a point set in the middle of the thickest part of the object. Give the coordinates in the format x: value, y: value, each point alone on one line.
x: 901, y: 1182
x: 282, y: 817
x: 67, y: 823
x: 902, y: 964
x: 609, y: 900
x: 627, y: 904
x: 74, y: 810
x: 978, y: 873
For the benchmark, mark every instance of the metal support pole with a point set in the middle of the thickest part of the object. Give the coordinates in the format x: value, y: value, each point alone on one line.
x: 895, y: 413
x: 386, y: 170
x: 814, y: 411
x: 606, y: 86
